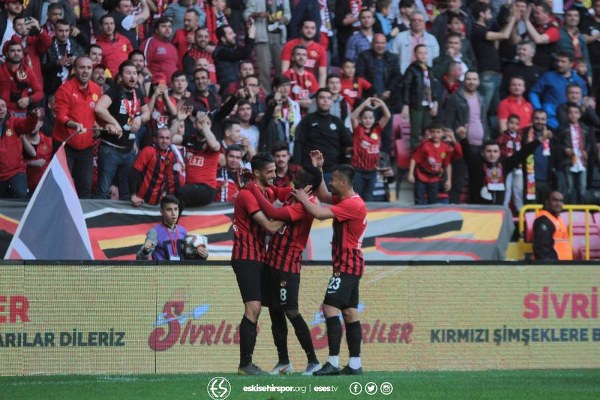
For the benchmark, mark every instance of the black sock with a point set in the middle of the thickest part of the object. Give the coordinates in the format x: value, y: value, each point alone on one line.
x: 334, y: 335
x: 247, y: 341
x: 354, y: 338
x: 303, y: 335
x: 280, y: 331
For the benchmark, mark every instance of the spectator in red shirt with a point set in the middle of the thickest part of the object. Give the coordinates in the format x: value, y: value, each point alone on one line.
x: 74, y: 105
x: 316, y: 62
x: 156, y: 171
x: 184, y: 38
x: 366, y: 141
x: 353, y: 86
x: 200, y: 49
x: 303, y: 81
x: 35, y: 42
x: 161, y: 55
x: 201, y: 155
x: 429, y: 163
x: 515, y: 103
x: 13, y: 180
x: 19, y: 87
x: 37, y: 151
x: 115, y: 47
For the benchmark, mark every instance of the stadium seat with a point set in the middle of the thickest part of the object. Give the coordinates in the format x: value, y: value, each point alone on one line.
x: 401, y: 134
x: 578, y: 222
x: 579, y: 247
x: 529, y: 219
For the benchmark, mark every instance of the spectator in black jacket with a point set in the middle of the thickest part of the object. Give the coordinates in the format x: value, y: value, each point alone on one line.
x: 382, y: 69
x: 324, y: 132
x: 227, y: 55
x: 419, y: 95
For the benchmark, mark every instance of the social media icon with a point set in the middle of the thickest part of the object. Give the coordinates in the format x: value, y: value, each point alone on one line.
x: 355, y: 388
x: 371, y: 388
x: 218, y: 388
x: 386, y: 388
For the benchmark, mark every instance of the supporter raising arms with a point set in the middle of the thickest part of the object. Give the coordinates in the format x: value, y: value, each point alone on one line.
x: 366, y: 141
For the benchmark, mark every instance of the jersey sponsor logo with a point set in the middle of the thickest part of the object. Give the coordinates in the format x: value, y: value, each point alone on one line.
x: 197, y: 161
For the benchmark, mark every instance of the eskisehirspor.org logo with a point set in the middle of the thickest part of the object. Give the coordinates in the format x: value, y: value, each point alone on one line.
x: 218, y: 388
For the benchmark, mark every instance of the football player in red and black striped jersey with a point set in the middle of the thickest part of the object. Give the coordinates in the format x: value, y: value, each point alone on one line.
x: 284, y: 260
x: 250, y: 226
x: 349, y: 215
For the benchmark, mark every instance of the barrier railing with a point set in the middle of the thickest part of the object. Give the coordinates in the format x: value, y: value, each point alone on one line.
x: 570, y: 209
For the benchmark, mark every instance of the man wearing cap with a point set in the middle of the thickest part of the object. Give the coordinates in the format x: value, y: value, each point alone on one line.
x: 11, y: 9
x: 19, y: 86
x: 75, y: 101
x: 115, y: 47
x: 160, y: 54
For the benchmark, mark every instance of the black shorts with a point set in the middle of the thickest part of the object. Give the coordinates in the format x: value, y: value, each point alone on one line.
x: 342, y: 291
x: 283, y: 289
x: 251, y: 278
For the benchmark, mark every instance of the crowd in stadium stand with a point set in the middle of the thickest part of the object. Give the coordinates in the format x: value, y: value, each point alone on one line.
x: 155, y: 97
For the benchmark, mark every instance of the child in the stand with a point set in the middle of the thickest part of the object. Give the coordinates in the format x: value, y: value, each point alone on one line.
x: 365, y: 144
x: 510, y: 143
x: 429, y: 163
x: 575, y: 141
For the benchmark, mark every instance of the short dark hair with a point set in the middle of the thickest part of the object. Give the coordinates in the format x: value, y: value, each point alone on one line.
x: 169, y: 198
x: 436, y: 124
x: 200, y: 70
x: 228, y: 123
x: 62, y: 22
x: 514, y: 116
x: 489, y: 142
x: 406, y: 3
x: 90, y: 47
x: 298, y: 47
x: 417, y: 47
x: 243, y: 102
x: 331, y: 76
x: 102, y: 18
x: 321, y: 90
x: 261, y: 160
x: 345, y: 170
x: 177, y: 74
x: 125, y: 64
x: 233, y: 147
x: 135, y: 53
x: 308, y: 175
x: 279, y: 146
x: 193, y: 11
x: 55, y: 6
x: 453, y: 35
x: 220, y: 32
x: 565, y: 54
x: 162, y: 20
x: 479, y: 8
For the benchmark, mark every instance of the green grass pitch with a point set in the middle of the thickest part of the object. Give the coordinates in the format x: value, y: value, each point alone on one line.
x: 492, y: 385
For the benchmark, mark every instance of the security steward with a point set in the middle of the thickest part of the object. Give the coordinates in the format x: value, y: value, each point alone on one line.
x: 550, y: 234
